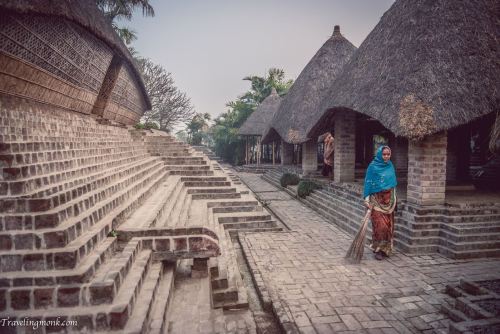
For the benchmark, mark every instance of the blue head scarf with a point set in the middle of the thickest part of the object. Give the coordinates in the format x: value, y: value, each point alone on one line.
x: 380, y: 175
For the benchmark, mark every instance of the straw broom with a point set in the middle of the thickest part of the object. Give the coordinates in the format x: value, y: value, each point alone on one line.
x: 355, y: 252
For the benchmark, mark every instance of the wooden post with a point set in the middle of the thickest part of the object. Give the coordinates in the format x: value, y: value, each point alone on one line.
x: 273, y: 155
x: 246, y: 150
x: 259, y: 150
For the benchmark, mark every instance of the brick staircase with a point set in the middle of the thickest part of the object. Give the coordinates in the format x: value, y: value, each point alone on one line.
x: 457, y: 231
x: 94, y: 217
x: 475, y: 307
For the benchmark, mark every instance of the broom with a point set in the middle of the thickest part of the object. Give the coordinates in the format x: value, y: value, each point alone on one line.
x: 355, y: 252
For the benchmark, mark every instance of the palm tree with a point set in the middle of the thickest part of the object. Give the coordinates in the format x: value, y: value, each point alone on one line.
x: 123, y: 9
x: 261, y: 86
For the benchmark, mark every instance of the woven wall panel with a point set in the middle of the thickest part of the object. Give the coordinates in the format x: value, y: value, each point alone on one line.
x: 22, y: 79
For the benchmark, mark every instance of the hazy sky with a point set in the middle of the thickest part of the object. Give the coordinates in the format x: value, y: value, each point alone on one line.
x: 210, y: 45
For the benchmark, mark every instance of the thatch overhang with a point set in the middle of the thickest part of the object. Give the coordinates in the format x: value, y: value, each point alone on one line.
x: 306, y: 93
x: 258, y: 120
x: 86, y: 14
x: 427, y: 66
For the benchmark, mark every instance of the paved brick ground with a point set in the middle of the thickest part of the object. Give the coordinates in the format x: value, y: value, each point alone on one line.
x: 303, y: 275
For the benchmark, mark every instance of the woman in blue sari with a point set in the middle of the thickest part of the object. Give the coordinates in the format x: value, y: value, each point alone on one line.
x: 380, y: 196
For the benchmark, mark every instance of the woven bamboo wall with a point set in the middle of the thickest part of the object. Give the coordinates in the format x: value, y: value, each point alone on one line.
x: 57, y: 62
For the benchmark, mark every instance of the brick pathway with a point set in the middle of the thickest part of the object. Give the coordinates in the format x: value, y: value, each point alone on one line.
x: 313, y: 290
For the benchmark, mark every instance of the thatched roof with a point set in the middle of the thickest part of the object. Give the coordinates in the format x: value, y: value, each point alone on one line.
x: 86, y: 14
x: 427, y: 66
x: 306, y: 93
x: 258, y: 120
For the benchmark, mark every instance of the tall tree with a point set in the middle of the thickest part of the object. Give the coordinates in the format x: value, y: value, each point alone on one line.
x: 197, y: 128
x: 227, y: 144
x: 169, y: 106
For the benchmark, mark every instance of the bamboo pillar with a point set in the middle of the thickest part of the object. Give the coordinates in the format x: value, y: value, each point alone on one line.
x: 259, y: 150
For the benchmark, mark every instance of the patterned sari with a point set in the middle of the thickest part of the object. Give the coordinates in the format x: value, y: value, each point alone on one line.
x: 382, y: 216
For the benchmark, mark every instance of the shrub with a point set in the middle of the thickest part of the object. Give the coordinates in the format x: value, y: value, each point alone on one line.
x: 305, y: 188
x: 289, y: 179
x: 147, y: 126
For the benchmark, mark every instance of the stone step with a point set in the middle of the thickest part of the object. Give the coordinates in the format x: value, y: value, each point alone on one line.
x: 61, y: 144
x: 215, y: 196
x: 76, y: 217
x: 74, y: 252
x: 234, y: 232
x: 173, y: 207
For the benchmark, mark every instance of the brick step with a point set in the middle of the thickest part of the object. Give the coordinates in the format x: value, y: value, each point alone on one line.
x: 471, y: 245
x: 243, y: 217
x: 30, y: 158
x: 70, y: 195
x: 234, y: 232
x: 232, y: 209
x: 106, y: 316
x: 201, y: 163
x: 171, y: 206
x: 75, y: 217
x: 346, y: 223
x: 40, y: 169
x: 196, y: 168
x: 151, y: 213
x: 192, y: 172
x: 222, y: 204
x: 491, y: 325
x: 42, y: 183
x: 158, y: 321
x: 249, y: 225
x: 472, y: 228
x: 210, y: 190
x: 69, y: 256
x: 216, y: 196
x: 490, y: 236
x: 207, y: 184
x: 148, y: 297
x: 454, y: 314
x: 62, y: 144
x: 108, y: 279
x: 204, y: 179
x: 80, y: 274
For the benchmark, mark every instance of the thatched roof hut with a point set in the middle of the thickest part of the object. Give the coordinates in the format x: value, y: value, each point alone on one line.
x: 307, y: 91
x: 427, y: 66
x: 86, y: 14
x: 257, y: 122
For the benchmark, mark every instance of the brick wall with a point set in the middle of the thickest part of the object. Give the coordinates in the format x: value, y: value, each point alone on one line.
x: 310, y: 156
x: 427, y: 170
x: 286, y: 153
x: 345, y: 139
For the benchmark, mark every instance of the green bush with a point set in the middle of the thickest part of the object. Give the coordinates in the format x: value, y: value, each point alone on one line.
x: 305, y: 188
x: 147, y: 126
x: 289, y: 179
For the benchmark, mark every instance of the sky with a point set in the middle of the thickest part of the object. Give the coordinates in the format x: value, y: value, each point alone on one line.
x: 209, y: 46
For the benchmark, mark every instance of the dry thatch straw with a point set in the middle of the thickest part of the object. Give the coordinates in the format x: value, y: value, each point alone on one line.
x: 433, y: 59
x: 495, y: 136
x: 261, y: 117
x: 304, y: 96
x: 355, y: 252
x: 84, y: 13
